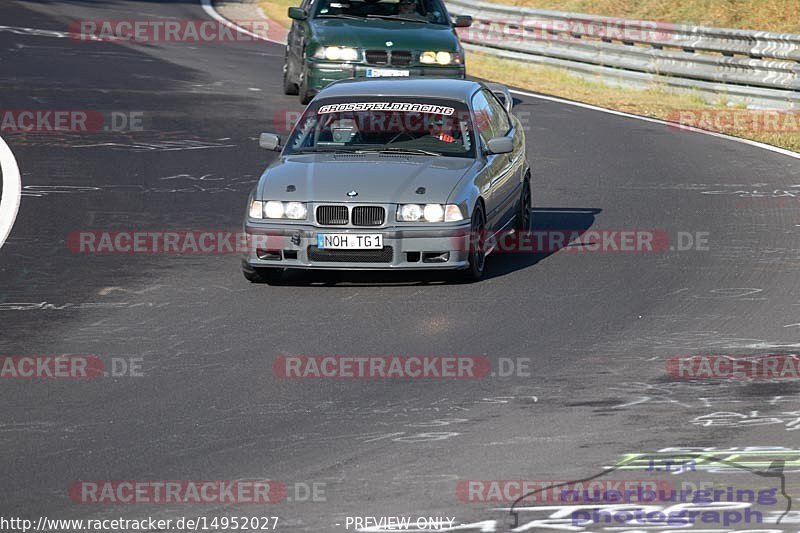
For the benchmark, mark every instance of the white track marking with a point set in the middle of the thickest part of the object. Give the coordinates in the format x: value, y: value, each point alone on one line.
x: 757, y: 144
x: 209, y: 9
x: 12, y: 190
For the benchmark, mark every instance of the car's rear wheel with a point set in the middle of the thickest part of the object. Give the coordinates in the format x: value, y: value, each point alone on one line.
x: 524, y: 210
x: 270, y: 276
x: 304, y: 91
x: 477, y: 246
x: 289, y: 87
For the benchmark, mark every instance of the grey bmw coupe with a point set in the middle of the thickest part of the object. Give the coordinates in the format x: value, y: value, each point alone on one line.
x: 391, y: 175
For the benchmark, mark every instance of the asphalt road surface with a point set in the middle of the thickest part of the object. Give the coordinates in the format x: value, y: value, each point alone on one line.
x: 203, y: 402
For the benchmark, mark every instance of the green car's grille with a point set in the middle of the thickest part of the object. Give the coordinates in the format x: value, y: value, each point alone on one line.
x: 397, y: 58
x: 377, y: 57
x: 401, y: 58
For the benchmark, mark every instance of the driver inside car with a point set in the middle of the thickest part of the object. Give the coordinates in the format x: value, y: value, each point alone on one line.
x: 441, y: 131
x: 407, y: 7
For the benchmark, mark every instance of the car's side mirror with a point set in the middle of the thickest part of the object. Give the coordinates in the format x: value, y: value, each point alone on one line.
x: 462, y: 21
x: 503, y: 94
x: 297, y: 13
x: 270, y: 141
x: 500, y: 145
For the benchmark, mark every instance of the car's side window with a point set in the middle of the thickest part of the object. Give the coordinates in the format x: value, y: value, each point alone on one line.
x: 501, y: 124
x: 483, y: 115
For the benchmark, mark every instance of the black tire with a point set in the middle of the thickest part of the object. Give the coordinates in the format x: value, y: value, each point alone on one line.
x: 270, y: 276
x: 477, y: 251
x: 289, y: 87
x: 303, y: 90
x: 523, y: 222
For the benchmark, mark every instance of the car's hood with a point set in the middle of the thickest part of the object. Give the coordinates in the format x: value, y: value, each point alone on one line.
x: 374, y: 33
x: 376, y: 178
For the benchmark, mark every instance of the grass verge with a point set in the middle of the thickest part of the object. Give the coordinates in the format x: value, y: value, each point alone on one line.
x: 766, y: 15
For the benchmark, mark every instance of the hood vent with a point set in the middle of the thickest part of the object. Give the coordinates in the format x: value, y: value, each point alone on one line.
x: 340, y: 156
x: 348, y: 156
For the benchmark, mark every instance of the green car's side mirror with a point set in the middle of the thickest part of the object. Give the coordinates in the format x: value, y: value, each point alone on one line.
x: 297, y: 13
x: 462, y: 21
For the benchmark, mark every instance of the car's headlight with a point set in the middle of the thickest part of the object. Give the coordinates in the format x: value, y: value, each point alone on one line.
x: 295, y: 210
x: 276, y: 210
x: 432, y: 57
x: 336, y: 53
x: 273, y: 209
x: 429, y: 213
x: 256, y: 209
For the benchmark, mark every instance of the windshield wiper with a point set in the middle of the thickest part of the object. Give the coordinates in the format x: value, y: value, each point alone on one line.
x: 395, y: 17
x: 391, y: 150
x: 340, y: 16
x: 310, y: 150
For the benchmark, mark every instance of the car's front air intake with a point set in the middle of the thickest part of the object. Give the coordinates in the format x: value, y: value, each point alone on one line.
x: 384, y: 255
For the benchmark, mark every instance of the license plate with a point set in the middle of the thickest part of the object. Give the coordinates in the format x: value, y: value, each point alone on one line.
x: 387, y: 73
x: 349, y: 241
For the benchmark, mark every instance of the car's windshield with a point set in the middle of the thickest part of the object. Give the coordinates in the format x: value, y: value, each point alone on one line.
x: 431, y: 11
x: 411, y: 125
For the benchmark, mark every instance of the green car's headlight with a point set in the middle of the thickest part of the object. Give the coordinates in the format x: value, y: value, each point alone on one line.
x: 428, y: 213
x: 336, y: 53
x: 277, y: 210
x: 432, y: 57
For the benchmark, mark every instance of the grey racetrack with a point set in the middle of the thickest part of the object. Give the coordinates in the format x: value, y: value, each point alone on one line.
x: 597, y: 328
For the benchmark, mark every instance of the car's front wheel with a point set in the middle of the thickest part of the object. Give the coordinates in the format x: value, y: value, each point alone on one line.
x: 477, y: 246
x: 270, y: 276
x: 524, y: 208
x: 289, y: 87
x: 304, y: 91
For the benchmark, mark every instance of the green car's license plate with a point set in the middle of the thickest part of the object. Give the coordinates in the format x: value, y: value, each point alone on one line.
x: 387, y: 73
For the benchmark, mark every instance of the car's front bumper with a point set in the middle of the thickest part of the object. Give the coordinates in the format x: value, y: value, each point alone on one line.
x: 323, y: 73
x: 294, y: 246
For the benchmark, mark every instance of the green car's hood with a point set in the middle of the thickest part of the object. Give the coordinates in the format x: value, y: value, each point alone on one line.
x: 376, y: 178
x: 373, y: 33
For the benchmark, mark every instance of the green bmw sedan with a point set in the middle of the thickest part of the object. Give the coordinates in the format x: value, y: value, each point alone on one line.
x: 332, y: 40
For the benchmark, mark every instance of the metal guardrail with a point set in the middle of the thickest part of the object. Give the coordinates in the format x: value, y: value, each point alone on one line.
x: 717, y: 60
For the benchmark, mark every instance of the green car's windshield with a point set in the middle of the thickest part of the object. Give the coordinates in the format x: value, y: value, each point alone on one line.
x: 408, y: 126
x: 424, y: 11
